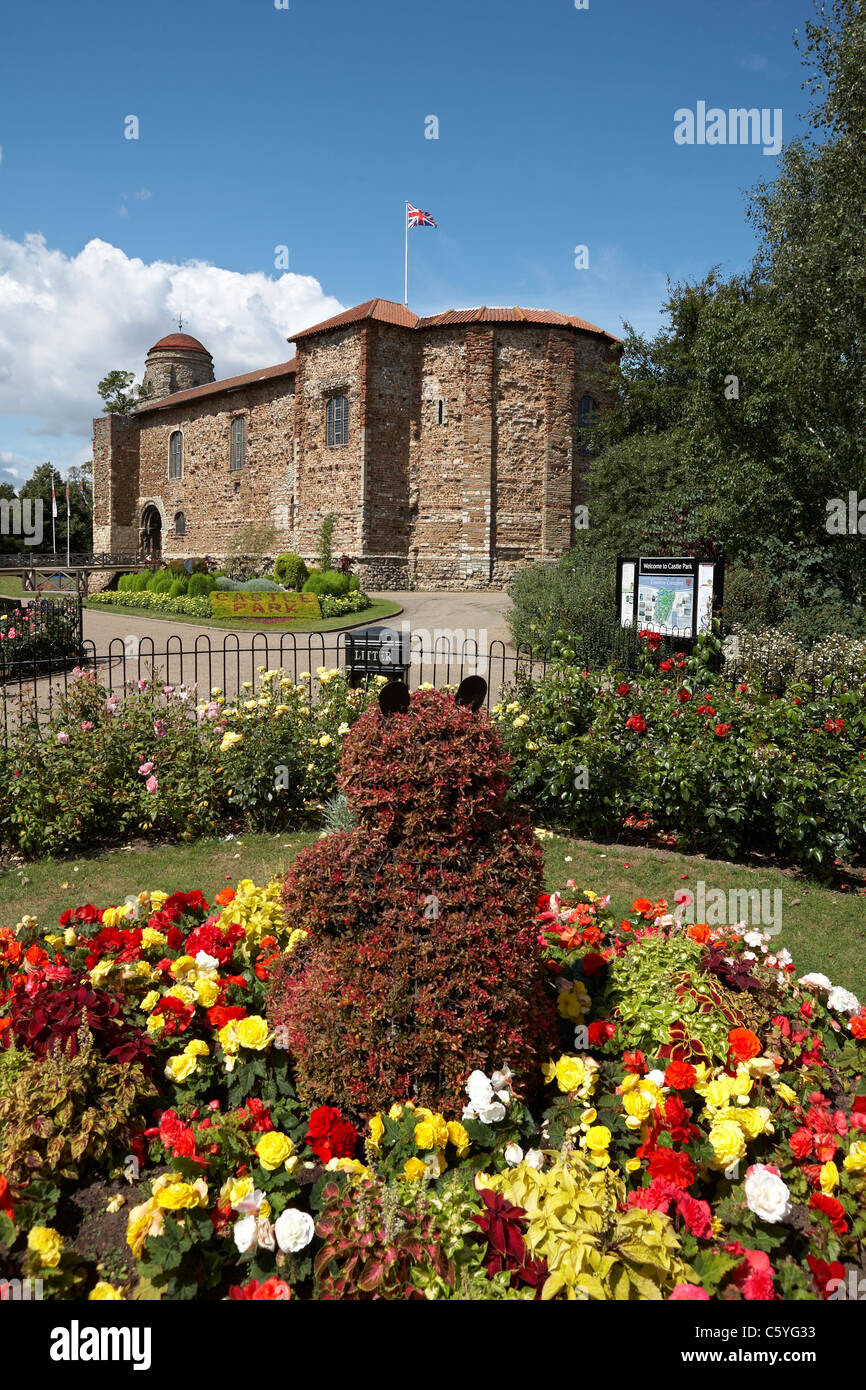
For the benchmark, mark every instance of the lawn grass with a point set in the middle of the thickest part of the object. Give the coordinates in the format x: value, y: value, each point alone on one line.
x: 379, y: 609
x: 824, y: 929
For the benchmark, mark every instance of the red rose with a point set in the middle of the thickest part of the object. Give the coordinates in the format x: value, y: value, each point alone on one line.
x: 683, y: 695
x: 623, y: 688
x: 636, y: 722
x: 722, y: 730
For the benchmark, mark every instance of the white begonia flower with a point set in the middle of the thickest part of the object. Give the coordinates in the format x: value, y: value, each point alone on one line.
x: 815, y: 981
x: 206, y: 962
x: 657, y: 1076
x: 766, y: 1194
x: 513, y: 1155
x: 265, y: 1233
x: 294, y: 1230
x: 754, y: 938
x: 535, y: 1158
x: 843, y: 1001
x: 482, y: 1105
x: 245, y: 1236
x: 249, y: 1206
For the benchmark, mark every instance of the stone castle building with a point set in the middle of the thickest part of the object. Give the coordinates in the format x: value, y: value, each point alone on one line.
x: 451, y: 448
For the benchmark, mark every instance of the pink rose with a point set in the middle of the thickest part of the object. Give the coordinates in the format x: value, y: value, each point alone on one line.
x: 145, y: 769
x: 151, y: 784
x: 62, y: 738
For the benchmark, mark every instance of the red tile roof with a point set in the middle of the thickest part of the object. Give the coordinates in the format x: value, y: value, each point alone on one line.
x: 386, y: 311
x: 181, y: 341
x: 383, y: 310
x: 214, y: 388
x: 513, y: 314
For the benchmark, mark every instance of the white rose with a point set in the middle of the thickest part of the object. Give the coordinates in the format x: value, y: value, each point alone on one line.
x: 766, y: 1194
x: 244, y: 1232
x: 513, y: 1155
x: 843, y: 1001
x: 293, y: 1229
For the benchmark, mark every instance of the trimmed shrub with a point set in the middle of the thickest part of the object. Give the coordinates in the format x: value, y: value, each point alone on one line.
x: 422, y: 961
x: 200, y: 585
x: 125, y: 582
x: 290, y: 570
x: 140, y: 581
x: 178, y: 587
x: 260, y: 586
x: 354, y: 584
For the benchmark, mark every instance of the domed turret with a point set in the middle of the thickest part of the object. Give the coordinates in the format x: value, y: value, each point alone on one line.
x: 177, y: 362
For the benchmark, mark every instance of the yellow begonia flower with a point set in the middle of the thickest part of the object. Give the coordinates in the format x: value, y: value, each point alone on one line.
x: 252, y: 1032
x: 459, y: 1137
x: 104, y: 1293
x: 47, y: 1243
x: 856, y: 1160
x: 377, y: 1129
x: 180, y: 1067
x: 414, y: 1169
x: 144, y: 1220
x: 728, y: 1143
x: 788, y: 1096
x: 176, y: 1194
x: 828, y: 1178
x: 197, y: 1047
x: 182, y: 966
x: 206, y: 991
x: 152, y: 940
x: 155, y: 1023
x: 273, y: 1149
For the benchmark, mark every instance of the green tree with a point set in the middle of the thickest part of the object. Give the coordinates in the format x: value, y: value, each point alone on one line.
x: 119, y: 394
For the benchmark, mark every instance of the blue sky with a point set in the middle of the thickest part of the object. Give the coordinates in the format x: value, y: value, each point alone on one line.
x: 305, y: 127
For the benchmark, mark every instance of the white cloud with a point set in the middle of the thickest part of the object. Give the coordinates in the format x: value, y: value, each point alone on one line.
x: 66, y: 321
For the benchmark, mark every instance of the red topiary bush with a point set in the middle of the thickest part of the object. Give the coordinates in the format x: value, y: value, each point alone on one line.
x: 422, y: 961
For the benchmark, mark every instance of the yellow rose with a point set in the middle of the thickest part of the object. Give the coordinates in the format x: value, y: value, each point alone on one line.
x: 414, y: 1169
x: 377, y: 1129
x: 273, y: 1149
x: 229, y: 739
x: 45, y: 1242
x: 459, y: 1137
x: 728, y: 1143
x: 828, y: 1178
x: 180, y: 1067
x: 253, y: 1033
x: 856, y: 1160
x: 104, y: 1293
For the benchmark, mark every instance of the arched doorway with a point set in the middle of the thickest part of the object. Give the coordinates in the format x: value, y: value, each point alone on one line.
x: 151, y: 532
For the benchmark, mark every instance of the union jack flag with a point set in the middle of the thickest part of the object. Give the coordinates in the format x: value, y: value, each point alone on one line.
x: 417, y: 218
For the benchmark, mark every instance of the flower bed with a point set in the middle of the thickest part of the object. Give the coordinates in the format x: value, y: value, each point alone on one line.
x: 701, y: 1132
x: 158, y: 758
x: 153, y: 602
x: 676, y: 750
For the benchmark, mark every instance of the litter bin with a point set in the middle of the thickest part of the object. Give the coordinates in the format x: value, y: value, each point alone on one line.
x: 376, y: 651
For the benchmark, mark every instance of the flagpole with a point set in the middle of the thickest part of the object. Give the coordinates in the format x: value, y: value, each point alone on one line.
x: 68, y: 560
x: 53, y: 513
x: 406, y: 260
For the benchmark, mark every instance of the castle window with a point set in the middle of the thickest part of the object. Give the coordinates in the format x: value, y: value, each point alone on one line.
x: 179, y: 524
x: 440, y: 412
x: 239, y: 442
x: 175, y: 455
x: 337, y: 421
x: 587, y: 420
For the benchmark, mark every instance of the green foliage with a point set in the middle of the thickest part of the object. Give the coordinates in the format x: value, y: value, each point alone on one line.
x: 375, y: 1238
x: 178, y: 588
x: 328, y: 582
x: 63, y: 1116
x: 326, y: 537
x: 162, y: 602
x: 119, y: 395
x: 200, y: 585
x: 290, y: 570
x: 140, y: 581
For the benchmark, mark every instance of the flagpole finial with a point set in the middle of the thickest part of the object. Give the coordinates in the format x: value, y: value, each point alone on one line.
x: 180, y: 323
